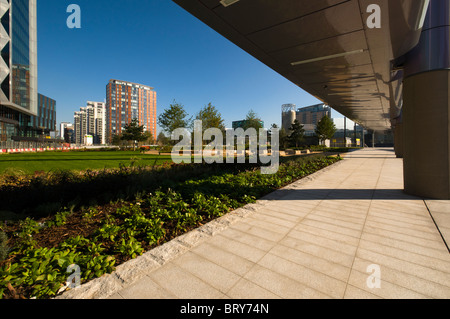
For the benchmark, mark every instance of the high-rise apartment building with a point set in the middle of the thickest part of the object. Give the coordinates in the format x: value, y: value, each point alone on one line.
x: 90, y: 121
x: 18, y: 68
x: 80, y: 128
x: 96, y: 121
x: 127, y: 101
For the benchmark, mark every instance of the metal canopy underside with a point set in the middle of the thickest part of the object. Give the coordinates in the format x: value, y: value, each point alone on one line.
x: 359, y: 80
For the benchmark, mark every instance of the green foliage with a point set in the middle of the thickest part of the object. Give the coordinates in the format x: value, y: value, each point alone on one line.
x: 135, y: 132
x: 325, y: 129
x: 41, y: 270
x: 130, y: 247
x: 252, y: 120
x: 175, y: 116
x: 59, y: 219
x: 211, y: 118
x: 297, y: 133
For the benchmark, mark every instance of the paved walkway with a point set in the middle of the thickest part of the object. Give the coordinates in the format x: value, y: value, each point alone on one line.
x: 329, y: 236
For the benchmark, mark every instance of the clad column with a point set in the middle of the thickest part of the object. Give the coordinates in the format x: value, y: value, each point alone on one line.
x: 398, y: 136
x: 426, y: 108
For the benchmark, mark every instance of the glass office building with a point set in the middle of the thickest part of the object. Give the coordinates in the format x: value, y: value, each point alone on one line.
x: 45, y: 121
x: 18, y: 69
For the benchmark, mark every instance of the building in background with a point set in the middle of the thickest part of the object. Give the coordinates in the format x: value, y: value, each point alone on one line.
x: 96, y: 121
x: 307, y: 116
x: 67, y: 132
x: 127, y: 101
x: 242, y: 124
x: 313, y: 114
x: 288, y: 116
x: 90, y: 122
x: 45, y: 122
x: 18, y: 71
x: 80, y: 128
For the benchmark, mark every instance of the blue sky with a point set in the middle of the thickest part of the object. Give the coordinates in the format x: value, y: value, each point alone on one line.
x: 156, y: 43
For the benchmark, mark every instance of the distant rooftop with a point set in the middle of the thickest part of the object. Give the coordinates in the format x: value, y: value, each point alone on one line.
x: 315, y: 108
x: 120, y: 82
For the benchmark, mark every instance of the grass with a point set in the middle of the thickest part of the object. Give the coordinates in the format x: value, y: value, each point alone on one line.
x: 29, y: 163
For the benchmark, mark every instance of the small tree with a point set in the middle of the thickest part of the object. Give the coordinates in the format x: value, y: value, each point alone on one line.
x: 325, y: 129
x: 163, y: 140
x: 252, y: 120
x: 135, y: 132
x: 211, y: 118
x: 116, y: 139
x: 173, y: 118
x: 297, y: 133
x: 284, y: 139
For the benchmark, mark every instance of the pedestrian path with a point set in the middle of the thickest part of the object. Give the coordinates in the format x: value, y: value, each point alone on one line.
x: 348, y: 231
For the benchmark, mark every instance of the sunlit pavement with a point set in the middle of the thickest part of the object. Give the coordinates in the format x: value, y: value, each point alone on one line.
x: 348, y: 231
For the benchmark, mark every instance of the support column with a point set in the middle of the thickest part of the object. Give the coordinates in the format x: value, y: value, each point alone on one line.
x: 426, y: 108
x: 398, y: 140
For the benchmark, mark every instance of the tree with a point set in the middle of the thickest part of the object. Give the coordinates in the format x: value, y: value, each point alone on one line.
x: 135, y: 132
x: 325, y: 129
x: 174, y: 117
x: 252, y: 120
x: 211, y: 118
x: 284, y: 139
x: 116, y: 139
x: 162, y: 139
x: 297, y: 133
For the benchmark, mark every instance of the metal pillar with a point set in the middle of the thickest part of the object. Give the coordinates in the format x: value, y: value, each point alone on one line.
x: 426, y: 108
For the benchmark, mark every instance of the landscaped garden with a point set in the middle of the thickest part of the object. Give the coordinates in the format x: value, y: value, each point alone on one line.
x: 98, y: 219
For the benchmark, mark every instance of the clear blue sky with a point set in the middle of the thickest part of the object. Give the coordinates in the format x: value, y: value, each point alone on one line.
x: 156, y: 43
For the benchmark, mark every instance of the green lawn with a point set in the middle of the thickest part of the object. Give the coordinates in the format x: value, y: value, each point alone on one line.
x: 32, y: 162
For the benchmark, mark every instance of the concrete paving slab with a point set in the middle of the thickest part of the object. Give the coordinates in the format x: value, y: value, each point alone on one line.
x: 440, y: 211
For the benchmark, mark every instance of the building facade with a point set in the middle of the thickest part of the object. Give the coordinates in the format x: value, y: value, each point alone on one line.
x: 127, y: 101
x: 27, y: 118
x: 307, y: 116
x: 80, y: 128
x: 67, y: 132
x: 18, y: 69
x: 45, y: 121
x: 90, y: 121
x: 243, y: 124
x: 96, y: 121
x: 313, y: 114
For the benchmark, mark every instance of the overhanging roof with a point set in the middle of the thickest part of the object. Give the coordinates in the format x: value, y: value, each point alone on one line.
x: 326, y: 48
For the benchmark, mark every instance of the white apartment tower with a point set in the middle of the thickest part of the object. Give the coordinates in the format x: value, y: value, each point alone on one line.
x: 90, y: 120
x: 97, y: 121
